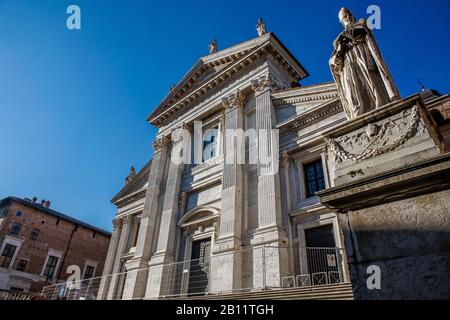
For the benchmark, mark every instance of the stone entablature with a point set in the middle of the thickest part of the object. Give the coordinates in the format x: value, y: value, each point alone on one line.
x: 312, y: 116
x: 300, y: 95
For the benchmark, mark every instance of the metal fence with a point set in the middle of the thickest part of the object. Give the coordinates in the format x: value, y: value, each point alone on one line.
x: 15, y: 295
x: 261, y: 268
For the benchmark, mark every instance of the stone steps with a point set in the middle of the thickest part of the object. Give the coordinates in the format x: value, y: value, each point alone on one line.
x: 325, y: 292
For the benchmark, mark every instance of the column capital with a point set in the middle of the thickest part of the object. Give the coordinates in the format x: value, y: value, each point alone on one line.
x: 265, y: 82
x: 126, y: 220
x: 117, y: 223
x: 234, y: 100
x: 158, y: 144
x: 285, y: 159
x: 177, y: 133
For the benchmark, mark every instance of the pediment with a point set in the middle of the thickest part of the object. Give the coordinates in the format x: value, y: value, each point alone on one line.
x: 199, y: 216
x: 136, y: 185
x: 211, y: 70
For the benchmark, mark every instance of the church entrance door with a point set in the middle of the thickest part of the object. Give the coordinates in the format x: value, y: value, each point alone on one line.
x: 322, y: 255
x: 199, y: 267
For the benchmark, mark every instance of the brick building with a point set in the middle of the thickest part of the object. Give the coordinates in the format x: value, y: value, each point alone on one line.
x: 37, y: 244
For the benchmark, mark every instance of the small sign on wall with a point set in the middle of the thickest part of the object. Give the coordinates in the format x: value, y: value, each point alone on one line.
x: 331, y: 259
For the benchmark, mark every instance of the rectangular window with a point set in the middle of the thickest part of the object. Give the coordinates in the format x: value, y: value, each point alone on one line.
x: 88, y: 273
x: 7, y: 255
x: 19, y: 213
x: 210, y: 143
x: 136, y: 234
x: 34, y: 234
x: 314, y: 178
x: 15, y: 229
x: 51, y: 267
x: 22, y: 265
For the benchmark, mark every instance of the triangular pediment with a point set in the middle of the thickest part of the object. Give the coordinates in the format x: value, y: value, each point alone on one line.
x: 136, y: 185
x: 211, y: 70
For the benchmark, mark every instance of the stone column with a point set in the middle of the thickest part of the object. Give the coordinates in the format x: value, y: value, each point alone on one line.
x: 227, y: 255
x: 286, y: 166
x: 160, y: 274
x: 269, y: 202
x: 121, y: 247
x: 107, y: 269
x: 271, y: 261
x: 137, y: 267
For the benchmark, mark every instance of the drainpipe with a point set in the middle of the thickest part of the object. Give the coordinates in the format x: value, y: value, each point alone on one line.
x: 66, y: 252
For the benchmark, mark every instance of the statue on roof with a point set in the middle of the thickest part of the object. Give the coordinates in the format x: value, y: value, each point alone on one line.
x: 261, y: 27
x: 212, y: 47
x: 363, y: 80
x: 131, y: 175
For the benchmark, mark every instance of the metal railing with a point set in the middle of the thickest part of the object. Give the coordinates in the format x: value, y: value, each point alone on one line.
x: 15, y: 295
x: 263, y: 267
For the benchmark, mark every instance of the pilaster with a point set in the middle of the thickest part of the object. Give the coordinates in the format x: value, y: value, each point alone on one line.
x: 227, y: 260
x: 137, y: 267
x: 158, y: 282
x: 110, y: 258
x: 121, y: 247
x: 270, y: 232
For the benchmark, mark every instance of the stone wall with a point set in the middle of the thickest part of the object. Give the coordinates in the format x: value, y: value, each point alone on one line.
x: 409, y: 240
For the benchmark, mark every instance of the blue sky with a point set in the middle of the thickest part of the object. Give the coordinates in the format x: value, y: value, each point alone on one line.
x: 73, y: 104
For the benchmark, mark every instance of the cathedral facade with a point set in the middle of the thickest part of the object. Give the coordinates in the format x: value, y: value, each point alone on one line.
x: 258, y: 183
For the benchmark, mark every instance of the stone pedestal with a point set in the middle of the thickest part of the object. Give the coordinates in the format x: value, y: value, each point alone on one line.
x: 161, y: 272
x: 226, y: 266
x: 392, y: 137
x: 391, y: 188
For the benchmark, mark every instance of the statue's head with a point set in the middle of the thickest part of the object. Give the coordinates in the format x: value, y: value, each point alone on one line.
x: 346, y: 17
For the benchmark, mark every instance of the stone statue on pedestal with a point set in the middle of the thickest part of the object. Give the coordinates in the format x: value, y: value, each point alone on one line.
x: 362, y: 78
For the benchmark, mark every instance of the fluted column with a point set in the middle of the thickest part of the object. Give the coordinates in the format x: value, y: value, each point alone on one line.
x: 234, y: 157
x: 121, y: 247
x: 269, y: 201
x: 159, y: 280
x: 227, y: 261
x: 271, y: 262
x: 110, y: 258
x: 137, y: 267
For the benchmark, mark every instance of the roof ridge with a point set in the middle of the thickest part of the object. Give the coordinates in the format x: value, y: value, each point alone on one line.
x: 57, y: 214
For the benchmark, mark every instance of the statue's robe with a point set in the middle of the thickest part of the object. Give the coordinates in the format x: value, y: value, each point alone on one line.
x: 363, y: 79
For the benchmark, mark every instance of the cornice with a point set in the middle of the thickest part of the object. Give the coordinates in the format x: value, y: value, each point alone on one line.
x: 312, y: 116
x: 305, y: 94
